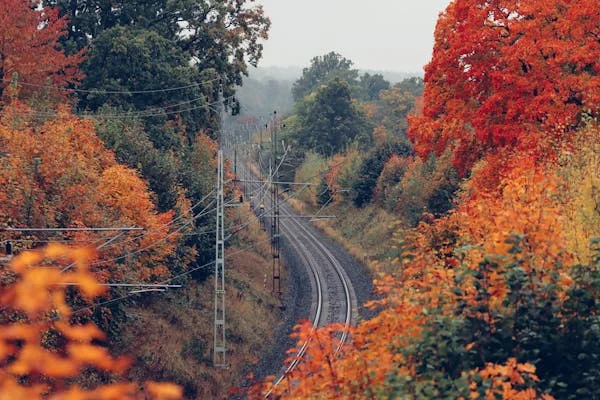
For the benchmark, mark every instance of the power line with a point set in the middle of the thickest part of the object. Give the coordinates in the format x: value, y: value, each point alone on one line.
x: 199, y: 202
x: 135, y: 114
x: 112, y: 239
x: 157, y: 241
x: 84, y: 229
x: 101, y: 91
x: 134, y: 285
x: 181, y: 275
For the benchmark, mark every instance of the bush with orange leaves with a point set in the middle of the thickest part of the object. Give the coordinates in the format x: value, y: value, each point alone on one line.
x: 34, y: 309
x: 59, y: 173
x: 500, y: 381
x: 486, y: 303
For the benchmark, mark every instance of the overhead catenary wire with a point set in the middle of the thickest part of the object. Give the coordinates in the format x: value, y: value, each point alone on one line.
x: 153, y: 112
x: 178, y: 276
x: 167, y: 281
x: 151, y: 231
x: 102, y: 91
x: 128, y: 254
x: 141, y: 235
x: 146, y: 233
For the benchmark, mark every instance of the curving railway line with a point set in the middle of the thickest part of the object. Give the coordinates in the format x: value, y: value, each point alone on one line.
x: 333, y: 299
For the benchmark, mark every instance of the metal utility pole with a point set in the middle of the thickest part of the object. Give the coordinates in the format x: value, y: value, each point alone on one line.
x: 260, y: 194
x: 219, y: 325
x: 275, y: 249
x: 235, y: 158
x: 219, y: 345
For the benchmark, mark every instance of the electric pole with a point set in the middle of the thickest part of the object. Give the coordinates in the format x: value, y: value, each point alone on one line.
x: 219, y: 345
x: 261, y: 194
x: 219, y: 334
x: 275, y: 249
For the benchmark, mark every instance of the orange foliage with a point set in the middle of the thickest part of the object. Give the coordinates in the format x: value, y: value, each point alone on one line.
x: 370, y: 109
x: 504, y: 381
x: 527, y: 204
x: 508, y: 74
x: 336, y: 164
x: 426, y: 280
x: 60, y: 174
x: 29, y: 47
x: 380, y: 134
x: 509, y: 85
x: 41, y: 348
x: 392, y: 173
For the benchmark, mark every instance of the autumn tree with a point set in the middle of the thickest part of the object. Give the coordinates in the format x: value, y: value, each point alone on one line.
x: 365, y: 181
x: 132, y: 146
x: 484, y: 303
x: 509, y: 74
x: 29, y: 47
x: 488, y: 300
x: 60, y: 174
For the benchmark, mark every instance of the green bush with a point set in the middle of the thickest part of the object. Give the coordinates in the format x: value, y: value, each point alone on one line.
x: 365, y: 181
x: 544, y: 322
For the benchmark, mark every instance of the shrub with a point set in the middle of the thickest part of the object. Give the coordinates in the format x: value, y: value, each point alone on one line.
x: 366, y: 179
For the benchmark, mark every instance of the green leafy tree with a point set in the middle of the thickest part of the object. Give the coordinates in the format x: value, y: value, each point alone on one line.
x: 414, y: 85
x: 396, y: 103
x: 133, y: 59
x: 371, y: 86
x: 133, y: 147
x: 328, y: 120
x: 366, y: 180
x: 220, y: 35
x: 322, y: 70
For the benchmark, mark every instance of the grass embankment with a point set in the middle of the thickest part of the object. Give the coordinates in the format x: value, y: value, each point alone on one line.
x: 171, y: 337
x: 364, y: 232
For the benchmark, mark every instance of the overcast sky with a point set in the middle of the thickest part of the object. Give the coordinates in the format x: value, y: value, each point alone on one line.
x: 394, y: 35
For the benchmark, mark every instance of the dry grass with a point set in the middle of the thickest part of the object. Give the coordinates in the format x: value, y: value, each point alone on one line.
x: 366, y: 233
x: 171, y: 338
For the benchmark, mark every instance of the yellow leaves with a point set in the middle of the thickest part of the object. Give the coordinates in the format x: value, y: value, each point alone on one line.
x: 11, y: 390
x: 88, y: 285
x: 89, y: 354
x: 27, y: 348
x: 34, y: 358
x: 25, y: 260
x: 38, y: 290
x: 164, y: 391
x: 380, y: 134
x: 580, y: 196
x: 116, y: 391
x: 80, y: 333
x: 511, y: 380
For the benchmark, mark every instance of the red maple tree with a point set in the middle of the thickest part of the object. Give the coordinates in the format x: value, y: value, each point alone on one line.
x: 509, y: 73
x: 30, y: 49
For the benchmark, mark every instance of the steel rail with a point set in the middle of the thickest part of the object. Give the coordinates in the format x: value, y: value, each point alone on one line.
x: 307, y: 245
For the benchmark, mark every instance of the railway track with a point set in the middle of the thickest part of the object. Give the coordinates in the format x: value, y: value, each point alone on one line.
x: 333, y: 297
